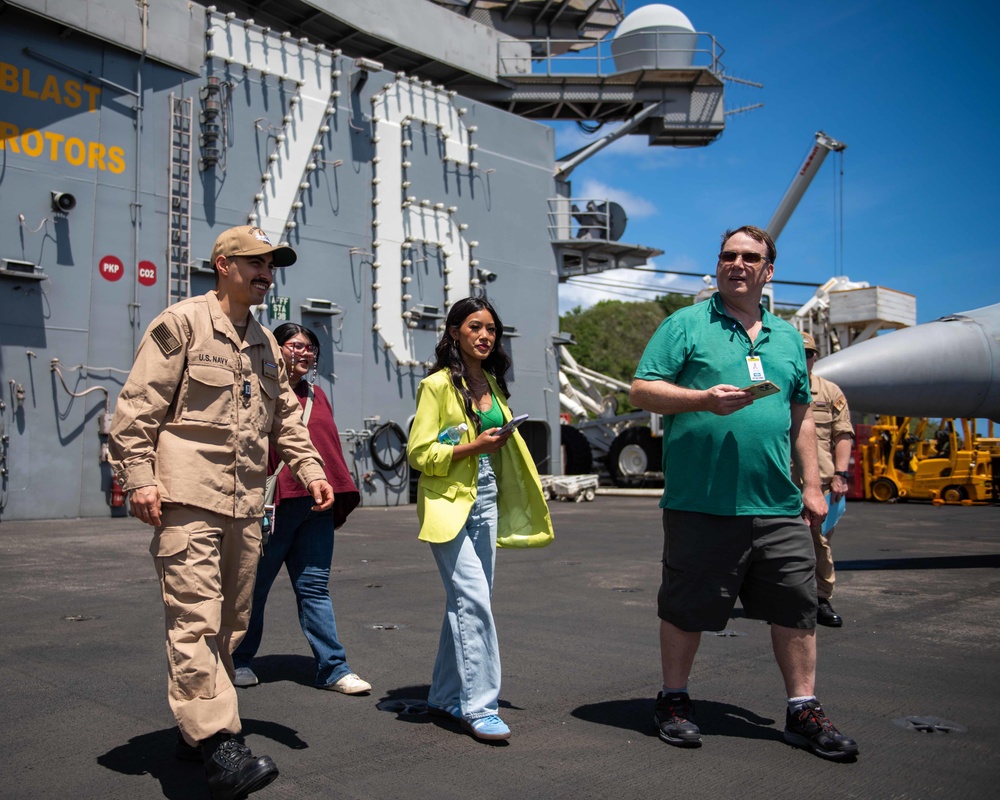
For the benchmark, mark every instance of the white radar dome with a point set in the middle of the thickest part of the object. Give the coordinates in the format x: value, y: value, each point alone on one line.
x: 656, y: 36
x: 654, y: 16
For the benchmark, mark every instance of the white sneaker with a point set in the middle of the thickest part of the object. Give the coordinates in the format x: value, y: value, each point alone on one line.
x: 350, y: 684
x: 244, y: 677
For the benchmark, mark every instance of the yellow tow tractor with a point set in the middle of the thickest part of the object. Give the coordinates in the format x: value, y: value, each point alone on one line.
x: 899, y: 463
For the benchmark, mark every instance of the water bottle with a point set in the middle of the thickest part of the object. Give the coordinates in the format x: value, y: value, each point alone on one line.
x: 453, y: 435
x: 266, y: 524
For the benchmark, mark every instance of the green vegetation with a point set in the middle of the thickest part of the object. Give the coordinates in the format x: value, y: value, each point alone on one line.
x: 611, y: 335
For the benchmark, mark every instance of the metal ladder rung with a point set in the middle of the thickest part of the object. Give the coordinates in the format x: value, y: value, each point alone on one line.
x: 178, y: 203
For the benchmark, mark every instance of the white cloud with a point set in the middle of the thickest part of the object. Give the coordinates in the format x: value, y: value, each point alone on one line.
x: 625, y: 285
x: 573, y: 295
x: 634, y: 205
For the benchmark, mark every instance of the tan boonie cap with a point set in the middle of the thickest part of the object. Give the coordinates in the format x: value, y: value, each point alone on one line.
x: 810, y: 343
x: 249, y: 241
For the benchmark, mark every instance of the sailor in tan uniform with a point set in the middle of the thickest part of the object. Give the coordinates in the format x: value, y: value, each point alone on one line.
x: 207, y: 393
x: 835, y: 436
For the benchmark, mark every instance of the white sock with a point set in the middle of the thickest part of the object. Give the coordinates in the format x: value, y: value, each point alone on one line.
x: 795, y: 704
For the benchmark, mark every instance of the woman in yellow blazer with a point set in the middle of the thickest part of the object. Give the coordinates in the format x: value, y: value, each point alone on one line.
x: 468, y: 493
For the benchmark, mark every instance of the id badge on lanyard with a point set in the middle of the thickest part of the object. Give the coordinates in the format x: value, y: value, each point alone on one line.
x: 756, y: 368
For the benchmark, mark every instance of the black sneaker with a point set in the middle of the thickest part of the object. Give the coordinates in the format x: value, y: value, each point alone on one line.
x: 810, y: 728
x: 825, y: 615
x: 674, y: 719
x: 232, y: 770
x: 185, y: 752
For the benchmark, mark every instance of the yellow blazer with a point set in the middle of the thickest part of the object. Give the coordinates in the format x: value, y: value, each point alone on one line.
x: 446, y: 490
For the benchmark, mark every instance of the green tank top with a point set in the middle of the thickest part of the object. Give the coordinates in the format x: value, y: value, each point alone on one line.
x: 492, y: 418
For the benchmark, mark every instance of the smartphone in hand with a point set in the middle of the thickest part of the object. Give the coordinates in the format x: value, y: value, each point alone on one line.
x: 510, y: 425
x: 762, y: 389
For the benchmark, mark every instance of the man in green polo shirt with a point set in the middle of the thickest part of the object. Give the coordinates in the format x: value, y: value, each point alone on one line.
x: 730, y: 379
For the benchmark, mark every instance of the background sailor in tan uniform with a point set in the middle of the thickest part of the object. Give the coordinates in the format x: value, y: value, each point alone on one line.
x: 835, y: 437
x: 189, y: 441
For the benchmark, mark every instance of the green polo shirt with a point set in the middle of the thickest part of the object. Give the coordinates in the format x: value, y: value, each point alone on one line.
x: 737, y: 464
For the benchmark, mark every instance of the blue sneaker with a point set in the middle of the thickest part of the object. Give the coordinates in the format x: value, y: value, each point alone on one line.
x: 489, y: 728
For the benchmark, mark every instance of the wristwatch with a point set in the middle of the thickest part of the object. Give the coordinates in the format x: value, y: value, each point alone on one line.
x: 845, y: 475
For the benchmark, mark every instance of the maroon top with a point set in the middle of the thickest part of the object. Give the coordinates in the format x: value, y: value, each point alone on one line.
x: 324, y: 435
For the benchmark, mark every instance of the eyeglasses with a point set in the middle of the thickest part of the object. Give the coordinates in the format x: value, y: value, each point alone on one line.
x: 750, y: 259
x: 298, y: 347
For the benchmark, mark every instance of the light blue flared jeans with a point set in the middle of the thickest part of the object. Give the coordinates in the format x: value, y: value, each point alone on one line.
x: 467, y: 668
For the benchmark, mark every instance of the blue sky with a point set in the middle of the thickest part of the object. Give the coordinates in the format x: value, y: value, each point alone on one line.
x: 911, y: 88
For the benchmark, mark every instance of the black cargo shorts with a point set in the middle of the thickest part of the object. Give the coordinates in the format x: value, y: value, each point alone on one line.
x: 709, y: 561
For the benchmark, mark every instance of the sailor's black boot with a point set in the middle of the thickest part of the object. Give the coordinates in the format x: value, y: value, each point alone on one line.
x: 232, y: 770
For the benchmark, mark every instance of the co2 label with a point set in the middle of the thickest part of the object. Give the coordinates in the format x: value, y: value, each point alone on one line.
x: 147, y: 273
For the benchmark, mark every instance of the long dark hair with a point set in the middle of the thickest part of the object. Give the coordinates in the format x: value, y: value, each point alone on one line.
x: 448, y: 356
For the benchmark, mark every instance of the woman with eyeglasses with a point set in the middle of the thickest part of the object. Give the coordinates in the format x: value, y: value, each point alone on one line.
x: 302, y: 539
x: 482, y: 486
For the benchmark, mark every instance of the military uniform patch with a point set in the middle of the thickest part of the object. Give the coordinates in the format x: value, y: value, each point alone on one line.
x: 165, y: 339
x: 270, y: 370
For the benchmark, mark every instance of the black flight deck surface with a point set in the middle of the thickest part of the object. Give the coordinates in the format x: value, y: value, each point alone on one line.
x: 912, y: 675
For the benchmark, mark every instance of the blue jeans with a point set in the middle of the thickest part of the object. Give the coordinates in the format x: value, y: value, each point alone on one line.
x: 467, y: 667
x: 302, y: 540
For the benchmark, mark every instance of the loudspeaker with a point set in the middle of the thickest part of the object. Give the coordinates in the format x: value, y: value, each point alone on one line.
x: 63, y: 201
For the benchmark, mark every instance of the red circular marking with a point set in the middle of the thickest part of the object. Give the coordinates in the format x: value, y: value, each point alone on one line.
x: 147, y: 273
x: 111, y: 268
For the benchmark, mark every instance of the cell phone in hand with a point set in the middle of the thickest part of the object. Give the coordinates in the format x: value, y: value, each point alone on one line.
x: 509, y: 427
x: 762, y: 389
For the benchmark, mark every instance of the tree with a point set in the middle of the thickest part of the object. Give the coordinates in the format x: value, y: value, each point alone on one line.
x: 611, y: 335
x: 672, y: 302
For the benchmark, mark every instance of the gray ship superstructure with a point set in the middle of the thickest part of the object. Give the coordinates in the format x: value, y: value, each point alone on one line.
x: 396, y: 145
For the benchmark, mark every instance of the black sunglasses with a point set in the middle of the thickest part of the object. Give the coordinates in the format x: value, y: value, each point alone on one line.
x: 730, y: 256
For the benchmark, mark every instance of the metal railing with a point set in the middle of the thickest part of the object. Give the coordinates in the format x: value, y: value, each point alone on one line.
x: 580, y: 218
x: 657, y: 50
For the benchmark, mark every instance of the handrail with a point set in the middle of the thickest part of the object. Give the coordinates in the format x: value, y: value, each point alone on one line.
x: 659, y: 50
x: 580, y: 218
